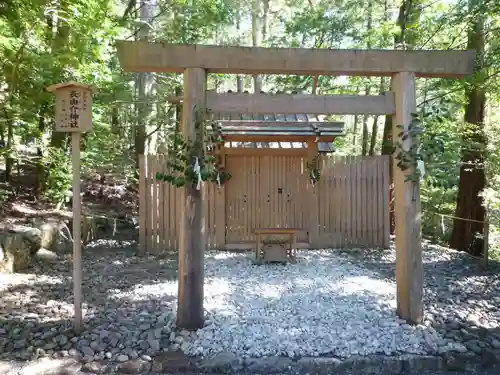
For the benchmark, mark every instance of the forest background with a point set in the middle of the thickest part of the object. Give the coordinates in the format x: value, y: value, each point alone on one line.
x: 44, y: 42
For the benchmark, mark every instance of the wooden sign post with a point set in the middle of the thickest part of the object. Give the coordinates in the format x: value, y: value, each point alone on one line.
x: 74, y: 115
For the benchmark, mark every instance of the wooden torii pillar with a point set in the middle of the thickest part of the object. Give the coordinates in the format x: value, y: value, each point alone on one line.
x: 193, y: 225
x: 409, y: 268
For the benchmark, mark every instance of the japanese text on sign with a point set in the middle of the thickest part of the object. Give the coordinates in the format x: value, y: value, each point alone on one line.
x: 64, y: 113
x: 74, y: 109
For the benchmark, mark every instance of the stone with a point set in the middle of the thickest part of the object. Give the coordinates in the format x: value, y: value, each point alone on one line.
x: 269, y: 364
x: 52, y: 237
x: 46, y: 366
x: 318, y: 365
x: 20, y: 344
x: 95, y: 367
x: 490, y: 358
x: 46, y: 255
x: 136, y: 315
x: 132, y: 353
x: 223, y: 362
x: 136, y: 366
x: 154, y: 344
x: 418, y: 363
x: 17, y: 248
x: 87, y: 351
x: 168, y: 362
x: 457, y: 347
x: 460, y: 361
x: 495, y: 344
x: 122, y: 358
x: 371, y: 364
x: 103, y: 334
x: 474, y: 346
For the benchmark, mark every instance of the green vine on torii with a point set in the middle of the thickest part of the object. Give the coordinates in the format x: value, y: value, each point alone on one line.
x: 195, y: 161
x: 407, y: 159
x: 423, y: 148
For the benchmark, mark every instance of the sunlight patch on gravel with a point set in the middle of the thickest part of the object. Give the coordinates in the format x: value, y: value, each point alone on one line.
x: 325, y: 304
x: 332, y: 302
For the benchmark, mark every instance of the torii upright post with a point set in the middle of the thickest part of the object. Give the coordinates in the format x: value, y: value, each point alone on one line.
x: 192, y: 236
x: 409, y: 268
x: 74, y: 115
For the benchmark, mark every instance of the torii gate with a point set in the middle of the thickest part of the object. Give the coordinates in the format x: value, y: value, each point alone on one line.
x: 195, y: 61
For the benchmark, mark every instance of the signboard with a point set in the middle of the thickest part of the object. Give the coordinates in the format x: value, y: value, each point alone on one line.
x: 73, y: 108
x: 74, y: 115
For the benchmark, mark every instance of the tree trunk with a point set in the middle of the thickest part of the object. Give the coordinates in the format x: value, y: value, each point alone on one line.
x: 355, y: 125
x: 409, y: 14
x: 9, y: 160
x: 373, y: 138
x: 467, y: 235
x: 115, y: 120
x: 355, y: 130
x: 364, y: 141
x: 178, y: 110
x: 256, y: 41
x: 144, y: 84
x: 239, y: 78
x: 265, y: 19
x: 60, y: 42
x: 40, y: 167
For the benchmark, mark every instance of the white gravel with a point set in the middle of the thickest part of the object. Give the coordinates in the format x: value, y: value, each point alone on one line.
x: 325, y: 304
x: 332, y: 303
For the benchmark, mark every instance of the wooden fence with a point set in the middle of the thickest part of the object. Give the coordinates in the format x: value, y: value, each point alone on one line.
x: 348, y: 207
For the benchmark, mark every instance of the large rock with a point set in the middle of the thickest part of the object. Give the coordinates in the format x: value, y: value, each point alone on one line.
x: 17, y: 248
x: 53, y: 238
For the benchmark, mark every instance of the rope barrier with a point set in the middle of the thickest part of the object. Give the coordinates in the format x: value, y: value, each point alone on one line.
x: 456, y: 217
x: 107, y: 218
x: 486, y: 232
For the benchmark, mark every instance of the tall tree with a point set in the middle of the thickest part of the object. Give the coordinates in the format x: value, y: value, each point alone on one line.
x: 369, y: 22
x: 256, y: 39
x: 467, y: 234
x: 144, y: 82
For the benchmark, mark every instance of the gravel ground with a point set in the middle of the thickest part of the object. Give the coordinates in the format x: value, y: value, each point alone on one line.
x: 332, y: 303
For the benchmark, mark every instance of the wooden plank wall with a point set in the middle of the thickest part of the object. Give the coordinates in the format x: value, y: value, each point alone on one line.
x: 265, y: 191
x: 353, y: 202
x: 159, y: 208
x: 352, y: 198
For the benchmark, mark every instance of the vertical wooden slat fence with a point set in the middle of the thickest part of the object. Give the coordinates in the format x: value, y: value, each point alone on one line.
x: 351, y: 202
x: 160, y: 205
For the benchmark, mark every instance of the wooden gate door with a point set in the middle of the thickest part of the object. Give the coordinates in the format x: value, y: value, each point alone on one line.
x: 265, y: 191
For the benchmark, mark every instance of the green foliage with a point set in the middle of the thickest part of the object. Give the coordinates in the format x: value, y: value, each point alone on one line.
x: 108, y: 152
x: 437, y: 143
x: 407, y: 157
x: 43, y: 43
x: 189, y: 154
x: 59, y: 174
x: 195, y: 23
x: 428, y: 144
x: 437, y: 200
x: 5, y: 194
